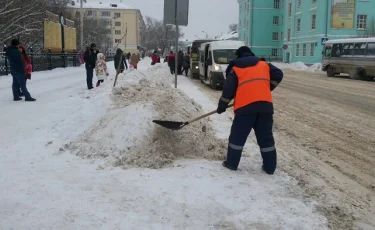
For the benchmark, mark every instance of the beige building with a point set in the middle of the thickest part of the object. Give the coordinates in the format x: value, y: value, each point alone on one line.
x: 120, y: 18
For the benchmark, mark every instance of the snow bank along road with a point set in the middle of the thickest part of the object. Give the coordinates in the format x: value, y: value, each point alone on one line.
x: 325, y: 134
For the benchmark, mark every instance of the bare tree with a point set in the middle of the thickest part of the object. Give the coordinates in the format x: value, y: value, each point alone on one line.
x: 233, y: 27
x: 21, y: 18
x: 96, y: 31
x: 159, y: 36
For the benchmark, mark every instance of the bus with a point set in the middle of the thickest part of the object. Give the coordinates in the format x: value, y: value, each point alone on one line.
x: 355, y: 57
x: 194, y: 56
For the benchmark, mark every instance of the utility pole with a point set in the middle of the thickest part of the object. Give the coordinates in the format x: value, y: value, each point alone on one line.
x: 176, y: 59
x: 81, y: 21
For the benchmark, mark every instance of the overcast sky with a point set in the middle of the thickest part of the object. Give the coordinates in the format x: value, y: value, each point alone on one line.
x: 211, y: 16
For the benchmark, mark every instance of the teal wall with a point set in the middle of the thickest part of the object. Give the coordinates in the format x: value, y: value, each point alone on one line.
x: 260, y: 13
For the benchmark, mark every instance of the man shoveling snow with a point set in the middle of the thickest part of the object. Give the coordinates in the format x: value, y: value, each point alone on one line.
x: 250, y: 82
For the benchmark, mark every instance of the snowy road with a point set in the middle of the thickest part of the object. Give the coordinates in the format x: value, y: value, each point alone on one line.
x: 325, y: 130
x: 45, y: 188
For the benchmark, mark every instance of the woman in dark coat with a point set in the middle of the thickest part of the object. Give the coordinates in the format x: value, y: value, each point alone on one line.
x: 186, y: 63
x: 123, y: 63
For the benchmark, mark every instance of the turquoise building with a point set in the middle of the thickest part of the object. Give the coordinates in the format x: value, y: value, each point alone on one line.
x: 295, y: 30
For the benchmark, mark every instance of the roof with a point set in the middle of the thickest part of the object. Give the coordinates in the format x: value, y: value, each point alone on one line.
x: 100, y: 4
x: 225, y: 44
x: 231, y: 35
x: 350, y: 40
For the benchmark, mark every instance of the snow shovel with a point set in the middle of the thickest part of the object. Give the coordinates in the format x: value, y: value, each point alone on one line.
x: 176, y: 125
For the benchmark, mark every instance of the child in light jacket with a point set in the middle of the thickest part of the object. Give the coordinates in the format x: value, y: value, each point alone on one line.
x: 101, y: 69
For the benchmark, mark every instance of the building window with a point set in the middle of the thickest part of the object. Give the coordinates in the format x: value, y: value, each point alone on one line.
x: 298, y: 25
x: 282, y: 20
x: 275, y: 36
x: 106, y: 14
x: 361, y: 21
x: 289, y: 32
x: 290, y: 10
x: 313, y: 1
x: 276, y: 4
x: 117, y: 15
x: 91, y: 13
x: 312, y: 47
x: 304, y: 50
x: 297, y: 50
x: 117, y: 40
x: 299, y: 3
x: 117, y: 32
x: 313, y: 22
x: 282, y: 4
x: 276, y: 20
x: 275, y: 52
x: 117, y: 23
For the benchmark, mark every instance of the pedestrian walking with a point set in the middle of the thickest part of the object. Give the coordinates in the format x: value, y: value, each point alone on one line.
x: 27, y: 63
x: 17, y: 69
x: 134, y: 59
x: 90, y: 61
x: 101, y: 69
x: 172, y: 62
x: 155, y: 58
x: 123, y: 63
x: 186, y: 63
x: 250, y: 82
x: 180, y: 60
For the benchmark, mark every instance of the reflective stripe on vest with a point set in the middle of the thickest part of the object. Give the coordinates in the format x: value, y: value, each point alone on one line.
x: 253, y: 85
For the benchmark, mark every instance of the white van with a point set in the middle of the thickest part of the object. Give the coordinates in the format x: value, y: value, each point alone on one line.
x: 214, y: 58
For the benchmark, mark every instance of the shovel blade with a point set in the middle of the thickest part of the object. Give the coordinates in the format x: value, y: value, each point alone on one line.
x: 173, y: 125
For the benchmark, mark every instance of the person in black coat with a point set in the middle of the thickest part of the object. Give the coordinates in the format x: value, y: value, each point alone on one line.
x: 180, y: 61
x: 17, y: 69
x: 123, y: 63
x: 186, y: 63
x: 90, y: 60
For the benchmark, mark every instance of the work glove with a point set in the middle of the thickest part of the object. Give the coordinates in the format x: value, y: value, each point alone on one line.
x: 221, y: 109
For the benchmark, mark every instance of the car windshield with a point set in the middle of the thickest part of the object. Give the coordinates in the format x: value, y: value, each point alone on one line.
x: 224, y: 56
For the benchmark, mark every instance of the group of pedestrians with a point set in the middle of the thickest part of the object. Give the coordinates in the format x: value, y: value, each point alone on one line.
x: 20, y: 69
x: 183, y: 64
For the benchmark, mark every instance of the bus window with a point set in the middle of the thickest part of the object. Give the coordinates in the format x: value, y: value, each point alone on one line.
x: 347, y: 49
x: 359, y: 49
x: 336, y: 50
x: 370, y: 50
x: 327, y: 51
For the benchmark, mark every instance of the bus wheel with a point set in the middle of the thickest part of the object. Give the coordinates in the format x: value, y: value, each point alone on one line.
x: 331, y: 71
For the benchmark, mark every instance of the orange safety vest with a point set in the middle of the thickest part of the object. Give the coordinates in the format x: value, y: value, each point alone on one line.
x: 254, y: 84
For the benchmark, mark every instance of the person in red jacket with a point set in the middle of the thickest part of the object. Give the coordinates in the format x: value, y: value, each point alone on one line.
x: 155, y: 58
x: 172, y: 62
x: 26, y: 62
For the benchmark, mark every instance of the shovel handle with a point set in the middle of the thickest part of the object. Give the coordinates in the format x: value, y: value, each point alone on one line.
x: 206, y: 115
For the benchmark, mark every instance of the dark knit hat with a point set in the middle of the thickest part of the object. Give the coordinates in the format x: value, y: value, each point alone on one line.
x: 15, y: 42
x: 243, y: 50
x: 92, y: 45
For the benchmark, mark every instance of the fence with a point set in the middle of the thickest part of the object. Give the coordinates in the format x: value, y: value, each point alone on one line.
x: 46, y: 61
x: 271, y: 58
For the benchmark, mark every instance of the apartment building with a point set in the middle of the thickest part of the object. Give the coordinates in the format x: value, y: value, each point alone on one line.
x: 120, y: 18
x: 295, y: 30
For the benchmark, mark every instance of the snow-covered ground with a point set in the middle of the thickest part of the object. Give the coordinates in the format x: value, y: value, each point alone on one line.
x: 300, y: 66
x: 46, y: 184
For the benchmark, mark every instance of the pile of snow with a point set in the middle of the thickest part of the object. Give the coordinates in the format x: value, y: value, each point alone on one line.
x: 229, y: 36
x: 127, y: 137
x: 299, y: 66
